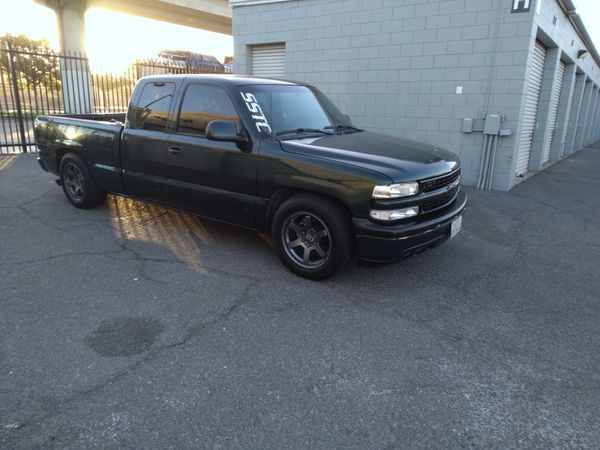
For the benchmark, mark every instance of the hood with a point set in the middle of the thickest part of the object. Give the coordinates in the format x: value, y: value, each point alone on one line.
x: 398, y: 158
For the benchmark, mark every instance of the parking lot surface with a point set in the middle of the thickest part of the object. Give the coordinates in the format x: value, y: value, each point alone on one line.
x: 134, y: 326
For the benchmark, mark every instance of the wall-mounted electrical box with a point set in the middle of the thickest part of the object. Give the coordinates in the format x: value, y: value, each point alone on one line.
x: 492, y: 124
x: 467, y: 125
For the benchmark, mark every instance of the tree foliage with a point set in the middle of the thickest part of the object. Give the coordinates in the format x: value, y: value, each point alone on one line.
x: 34, y: 61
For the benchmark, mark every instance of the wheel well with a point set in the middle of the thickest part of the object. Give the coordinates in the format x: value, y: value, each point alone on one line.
x: 60, y: 153
x: 281, y: 195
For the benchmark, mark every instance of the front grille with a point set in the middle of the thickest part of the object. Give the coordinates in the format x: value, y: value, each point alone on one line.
x: 437, y: 193
x: 436, y: 183
x: 438, y: 201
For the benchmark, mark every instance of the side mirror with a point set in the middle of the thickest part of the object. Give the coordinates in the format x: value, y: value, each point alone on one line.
x: 223, y: 130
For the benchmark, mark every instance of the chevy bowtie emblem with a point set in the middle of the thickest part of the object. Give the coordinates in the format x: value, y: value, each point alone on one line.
x: 453, y: 184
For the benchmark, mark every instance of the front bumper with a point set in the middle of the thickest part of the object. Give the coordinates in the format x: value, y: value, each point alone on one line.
x: 390, y: 243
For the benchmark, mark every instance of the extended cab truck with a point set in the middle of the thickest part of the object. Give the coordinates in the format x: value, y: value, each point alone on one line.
x: 262, y: 154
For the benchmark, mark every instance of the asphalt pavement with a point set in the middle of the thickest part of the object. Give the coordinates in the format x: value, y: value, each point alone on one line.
x: 134, y: 326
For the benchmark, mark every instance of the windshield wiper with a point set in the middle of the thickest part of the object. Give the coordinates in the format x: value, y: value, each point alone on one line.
x: 302, y: 130
x: 342, y: 128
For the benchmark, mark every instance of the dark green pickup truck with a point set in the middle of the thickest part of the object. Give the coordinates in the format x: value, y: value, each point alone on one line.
x: 262, y: 154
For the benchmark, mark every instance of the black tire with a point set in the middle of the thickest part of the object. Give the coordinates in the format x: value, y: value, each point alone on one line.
x: 316, y: 225
x: 77, y: 183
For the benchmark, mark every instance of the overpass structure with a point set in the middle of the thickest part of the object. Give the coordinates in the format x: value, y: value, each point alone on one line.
x: 210, y: 15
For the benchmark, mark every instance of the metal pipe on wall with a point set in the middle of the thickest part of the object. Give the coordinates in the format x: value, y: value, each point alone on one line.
x: 484, y: 162
x: 494, y: 148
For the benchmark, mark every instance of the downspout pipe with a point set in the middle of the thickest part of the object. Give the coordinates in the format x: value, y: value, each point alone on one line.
x: 485, y: 161
x: 492, y: 161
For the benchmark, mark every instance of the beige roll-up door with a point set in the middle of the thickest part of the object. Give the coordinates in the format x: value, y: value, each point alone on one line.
x: 553, y: 111
x: 268, y: 61
x: 528, y: 122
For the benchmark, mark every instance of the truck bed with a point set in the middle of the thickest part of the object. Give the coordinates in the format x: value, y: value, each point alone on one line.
x: 96, y: 137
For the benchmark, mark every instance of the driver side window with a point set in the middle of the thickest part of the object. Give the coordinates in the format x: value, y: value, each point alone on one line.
x: 202, y: 104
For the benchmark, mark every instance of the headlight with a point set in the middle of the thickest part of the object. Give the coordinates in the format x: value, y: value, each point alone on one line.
x: 394, y: 214
x: 396, y: 190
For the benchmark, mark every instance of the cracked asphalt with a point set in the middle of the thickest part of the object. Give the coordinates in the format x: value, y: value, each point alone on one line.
x: 134, y: 326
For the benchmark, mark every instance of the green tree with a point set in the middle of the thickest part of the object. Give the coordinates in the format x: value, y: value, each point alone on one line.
x: 35, y: 62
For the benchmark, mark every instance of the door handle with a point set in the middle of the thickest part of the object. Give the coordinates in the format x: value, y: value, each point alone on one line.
x: 176, y: 151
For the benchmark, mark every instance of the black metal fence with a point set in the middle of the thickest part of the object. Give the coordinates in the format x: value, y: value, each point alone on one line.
x: 46, y: 82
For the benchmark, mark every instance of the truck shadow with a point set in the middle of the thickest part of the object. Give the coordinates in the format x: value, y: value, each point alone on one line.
x: 161, y: 234
x: 188, y: 238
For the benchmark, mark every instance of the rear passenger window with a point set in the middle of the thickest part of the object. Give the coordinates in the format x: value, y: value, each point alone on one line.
x: 201, y: 104
x: 152, y: 112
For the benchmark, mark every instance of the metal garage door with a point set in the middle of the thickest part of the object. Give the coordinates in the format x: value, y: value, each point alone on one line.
x: 563, y: 140
x: 268, y: 61
x: 553, y: 111
x: 534, y: 85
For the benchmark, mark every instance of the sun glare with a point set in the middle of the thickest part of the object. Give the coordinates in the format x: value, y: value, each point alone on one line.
x: 113, y: 40
x: 30, y: 19
x: 134, y: 37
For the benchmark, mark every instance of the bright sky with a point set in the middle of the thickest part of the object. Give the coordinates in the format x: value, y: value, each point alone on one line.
x: 114, y: 40
x: 589, y: 10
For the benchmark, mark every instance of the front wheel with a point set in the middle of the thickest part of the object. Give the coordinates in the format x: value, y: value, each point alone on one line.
x: 77, y: 183
x: 312, y: 236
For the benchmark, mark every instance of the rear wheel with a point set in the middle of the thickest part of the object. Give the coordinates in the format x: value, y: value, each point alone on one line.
x: 312, y: 236
x: 77, y: 183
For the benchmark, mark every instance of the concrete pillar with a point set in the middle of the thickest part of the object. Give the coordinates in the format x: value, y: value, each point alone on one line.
x: 71, y: 22
x: 75, y: 75
x: 580, y: 83
x: 542, y: 132
x: 583, y: 117
x: 564, y: 111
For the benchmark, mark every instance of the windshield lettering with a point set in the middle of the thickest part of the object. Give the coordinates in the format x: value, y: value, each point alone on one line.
x: 257, y: 113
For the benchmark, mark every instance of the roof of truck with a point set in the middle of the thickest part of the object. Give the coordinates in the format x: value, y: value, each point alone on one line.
x: 225, y: 79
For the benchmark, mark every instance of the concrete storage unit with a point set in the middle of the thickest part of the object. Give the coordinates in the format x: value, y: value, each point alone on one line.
x: 418, y: 68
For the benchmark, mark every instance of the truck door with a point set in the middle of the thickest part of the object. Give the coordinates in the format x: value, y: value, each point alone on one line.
x: 144, y: 145
x: 213, y: 179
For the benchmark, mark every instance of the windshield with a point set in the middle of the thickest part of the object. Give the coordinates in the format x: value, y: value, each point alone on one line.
x: 290, y: 110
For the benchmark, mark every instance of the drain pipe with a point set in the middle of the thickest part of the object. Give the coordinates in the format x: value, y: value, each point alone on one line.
x: 490, y: 175
x: 491, y: 132
x: 484, y: 162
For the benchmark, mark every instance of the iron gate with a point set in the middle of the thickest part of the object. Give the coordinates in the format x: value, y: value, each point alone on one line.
x: 40, y: 81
